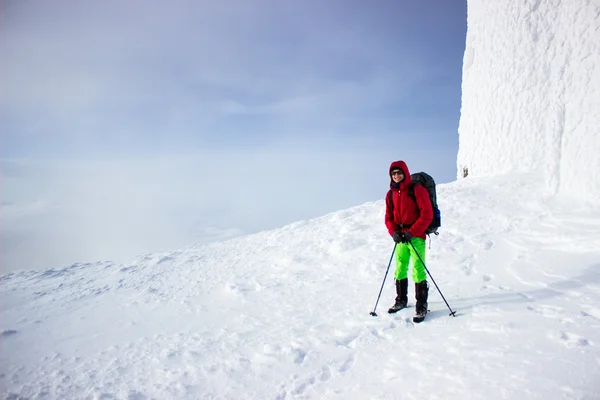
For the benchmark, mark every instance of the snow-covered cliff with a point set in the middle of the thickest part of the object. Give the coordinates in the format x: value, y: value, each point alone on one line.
x: 531, y: 92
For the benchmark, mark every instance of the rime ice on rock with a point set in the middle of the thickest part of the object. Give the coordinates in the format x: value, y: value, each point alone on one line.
x: 531, y: 93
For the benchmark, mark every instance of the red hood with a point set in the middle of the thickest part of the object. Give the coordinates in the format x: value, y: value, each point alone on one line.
x: 402, y: 165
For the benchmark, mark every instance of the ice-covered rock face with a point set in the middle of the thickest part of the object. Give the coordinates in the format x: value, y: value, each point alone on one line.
x: 531, y: 92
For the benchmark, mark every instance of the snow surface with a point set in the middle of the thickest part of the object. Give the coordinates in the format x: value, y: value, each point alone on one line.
x: 284, y: 314
x: 531, y: 92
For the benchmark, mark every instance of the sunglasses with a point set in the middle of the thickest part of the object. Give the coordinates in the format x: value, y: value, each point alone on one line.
x: 397, y: 173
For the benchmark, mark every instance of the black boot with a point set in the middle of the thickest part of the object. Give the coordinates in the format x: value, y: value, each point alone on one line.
x: 401, y: 296
x: 421, y: 294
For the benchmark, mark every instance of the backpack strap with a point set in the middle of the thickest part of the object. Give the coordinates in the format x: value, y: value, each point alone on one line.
x: 411, y: 190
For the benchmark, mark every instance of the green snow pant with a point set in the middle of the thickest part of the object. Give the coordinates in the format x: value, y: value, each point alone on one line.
x: 404, y: 253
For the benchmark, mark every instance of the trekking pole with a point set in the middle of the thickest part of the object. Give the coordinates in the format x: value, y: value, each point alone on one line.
x: 453, y: 313
x: 373, y: 313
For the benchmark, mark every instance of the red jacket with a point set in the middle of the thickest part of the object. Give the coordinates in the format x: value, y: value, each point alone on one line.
x: 414, y: 216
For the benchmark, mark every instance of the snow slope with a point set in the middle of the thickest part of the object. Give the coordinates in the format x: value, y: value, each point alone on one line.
x: 531, y: 92
x: 284, y: 314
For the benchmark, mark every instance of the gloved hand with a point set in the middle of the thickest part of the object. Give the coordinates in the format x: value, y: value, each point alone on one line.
x: 406, y: 237
x: 397, y: 236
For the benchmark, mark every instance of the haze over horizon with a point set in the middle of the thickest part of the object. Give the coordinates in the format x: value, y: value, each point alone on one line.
x: 164, y: 125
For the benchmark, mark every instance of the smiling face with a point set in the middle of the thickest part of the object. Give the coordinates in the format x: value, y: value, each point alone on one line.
x: 397, y: 175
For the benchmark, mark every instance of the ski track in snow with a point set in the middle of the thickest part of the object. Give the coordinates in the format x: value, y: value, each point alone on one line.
x: 284, y: 314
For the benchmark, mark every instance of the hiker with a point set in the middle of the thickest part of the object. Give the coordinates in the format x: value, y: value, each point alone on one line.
x: 408, y: 213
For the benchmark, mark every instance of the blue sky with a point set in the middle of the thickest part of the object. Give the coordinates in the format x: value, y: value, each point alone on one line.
x: 150, y: 118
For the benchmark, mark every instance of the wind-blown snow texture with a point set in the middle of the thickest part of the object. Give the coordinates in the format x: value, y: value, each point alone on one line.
x: 284, y: 314
x: 531, y: 92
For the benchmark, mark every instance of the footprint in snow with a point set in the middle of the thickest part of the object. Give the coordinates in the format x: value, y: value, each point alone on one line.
x: 238, y: 288
x: 8, y: 332
x: 375, y: 333
x: 591, y: 312
x: 348, y: 341
x: 346, y: 365
x: 325, y: 374
x: 164, y: 259
x: 302, y: 385
x: 467, y: 269
x: 569, y: 339
x: 300, y: 356
x: 547, y: 311
x: 135, y: 395
x: 526, y: 296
